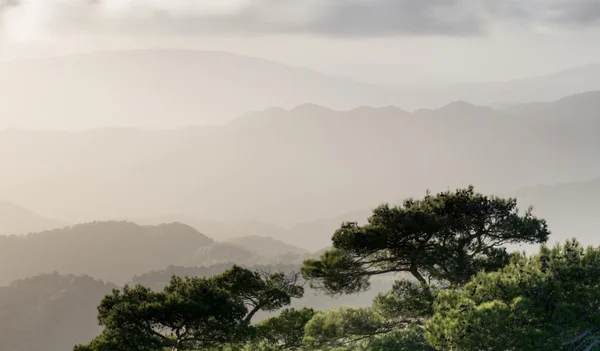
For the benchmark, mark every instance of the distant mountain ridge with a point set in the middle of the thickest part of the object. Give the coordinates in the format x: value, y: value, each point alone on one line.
x: 587, y: 103
x: 161, y: 88
x: 117, y: 250
x: 571, y: 208
x: 265, y: 245
x: 112, y: 251
x: 18, y: 220
x: 296, y: 166
x: 172, y: 88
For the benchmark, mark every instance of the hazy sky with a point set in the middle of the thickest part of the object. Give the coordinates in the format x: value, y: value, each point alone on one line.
x: 385, y: 41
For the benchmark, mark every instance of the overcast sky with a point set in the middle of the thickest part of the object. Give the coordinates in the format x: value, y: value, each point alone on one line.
x: 383, y: 41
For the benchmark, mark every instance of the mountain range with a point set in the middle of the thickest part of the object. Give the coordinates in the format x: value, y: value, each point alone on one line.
x: 113, y: 251
x: 173, y: 88
x: 294, y: 166
x: 116, y: 251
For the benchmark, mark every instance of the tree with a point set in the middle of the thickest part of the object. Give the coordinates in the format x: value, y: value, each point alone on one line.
x: 282, y: 332
x: 550, y: 301
x: 190, y: 313
x: 446, y: 238
x: 411, y: 339
x: 362, y: 329
x: 343, y: 327
x: 440, y: 241
x: 393, y: 320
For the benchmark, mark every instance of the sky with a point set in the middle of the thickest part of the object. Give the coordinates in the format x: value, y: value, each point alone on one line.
x: 381, y: 41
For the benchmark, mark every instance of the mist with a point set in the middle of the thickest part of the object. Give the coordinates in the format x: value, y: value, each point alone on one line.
x: 299, y: 163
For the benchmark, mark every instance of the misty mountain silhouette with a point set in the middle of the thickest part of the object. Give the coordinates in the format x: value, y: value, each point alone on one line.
x: 295, y: 167
x: 264, y: 245
x: 18, y: 220
x: 162, y: 88
x: 113, y: 251
x: 571, y: 208
x: 174, y: 88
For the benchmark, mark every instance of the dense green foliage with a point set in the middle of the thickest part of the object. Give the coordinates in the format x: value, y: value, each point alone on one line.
x: 395, y: 318
x: 191, y: 313
x: 446, y: 238
x: 440, y: 242
x: 548, y: 301
x: 283, y: 332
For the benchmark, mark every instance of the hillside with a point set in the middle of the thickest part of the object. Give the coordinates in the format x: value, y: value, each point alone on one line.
x: 264, y: 238
x: 219, y: 230
x: 17, y: 220
x: 113, y: 251
x: 50, y: 312
x: 265, y: 246
x: 218, y: 253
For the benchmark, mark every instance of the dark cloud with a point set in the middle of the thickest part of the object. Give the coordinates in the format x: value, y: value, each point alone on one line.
x: 581, y: 13
x: 376, y: 18
x: 333, y: 18
x: 578, y: 12
x: 352, y: 18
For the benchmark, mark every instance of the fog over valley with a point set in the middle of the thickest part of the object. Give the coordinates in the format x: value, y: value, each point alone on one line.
x: 288, y: 167
x: 316, y: 175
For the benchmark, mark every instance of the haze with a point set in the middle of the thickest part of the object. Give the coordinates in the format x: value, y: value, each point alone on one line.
x: 150, y: 138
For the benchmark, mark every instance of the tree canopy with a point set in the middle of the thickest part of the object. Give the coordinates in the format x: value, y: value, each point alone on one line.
x: 394, y: 320
x: 549, y: 301
x: 282, y: 332
x: 446, y: 238
x: 190, y: 313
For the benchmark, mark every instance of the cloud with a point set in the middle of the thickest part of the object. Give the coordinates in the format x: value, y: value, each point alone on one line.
x: 578, y: 12
x: 6, y: 4
x: 356, y: 18
x: 331, y: 18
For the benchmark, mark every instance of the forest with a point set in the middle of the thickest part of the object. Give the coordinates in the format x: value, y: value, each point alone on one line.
x: 456, y: 286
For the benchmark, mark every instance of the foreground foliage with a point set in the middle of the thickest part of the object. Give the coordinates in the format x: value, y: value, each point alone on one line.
x: 283, y: 332
x: 191, y: 313
x: 550, y: 301
x: 446, y: 238
x: 460, y: 290
x: 437, y: 243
